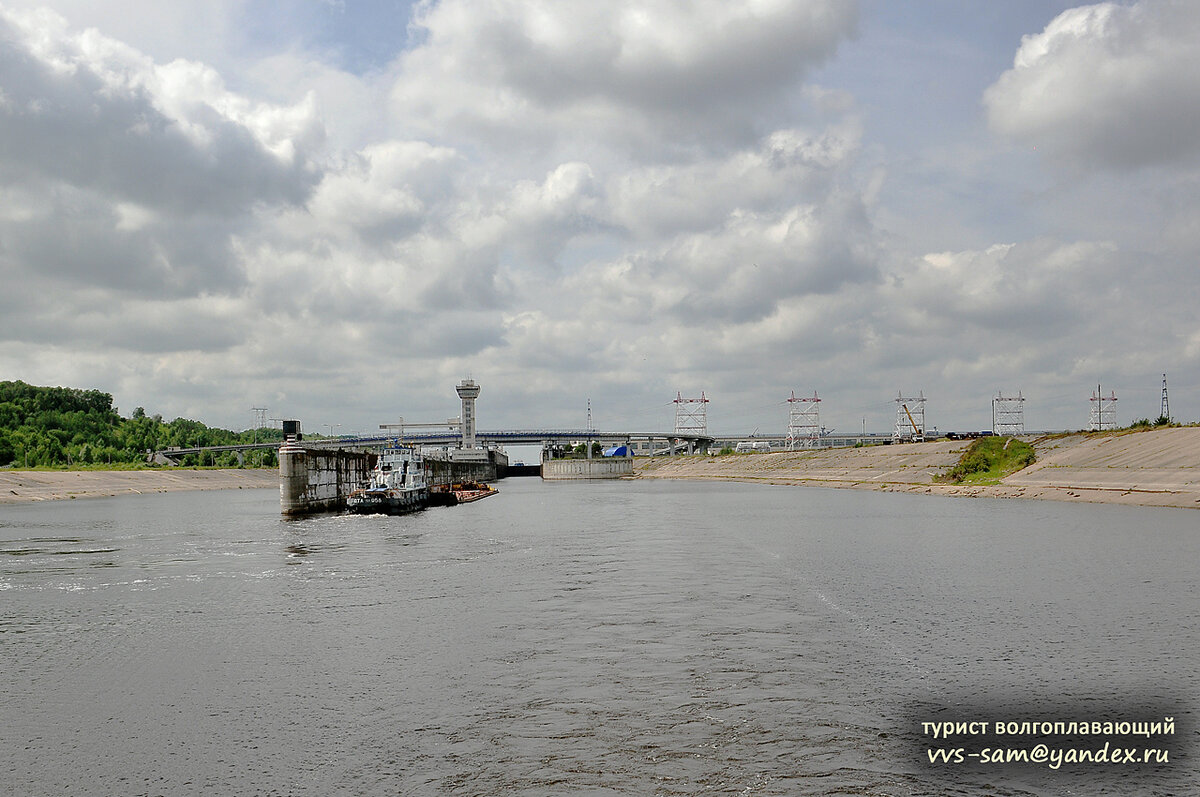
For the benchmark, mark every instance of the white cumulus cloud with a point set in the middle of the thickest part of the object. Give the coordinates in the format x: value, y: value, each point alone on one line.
x: 1108, y: 85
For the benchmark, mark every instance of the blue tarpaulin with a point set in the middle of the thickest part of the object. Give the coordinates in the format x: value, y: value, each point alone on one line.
x: 617, y: 451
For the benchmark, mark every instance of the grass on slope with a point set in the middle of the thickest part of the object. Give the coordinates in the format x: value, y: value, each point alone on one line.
x: 990, y: 459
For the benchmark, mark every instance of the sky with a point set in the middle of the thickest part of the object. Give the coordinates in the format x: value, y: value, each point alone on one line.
x: 338, y: 210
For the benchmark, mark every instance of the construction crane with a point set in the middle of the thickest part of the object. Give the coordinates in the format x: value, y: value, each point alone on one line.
x: 918, y: 434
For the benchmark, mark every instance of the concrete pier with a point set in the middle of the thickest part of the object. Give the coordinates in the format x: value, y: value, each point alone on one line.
x: 605, y: 468
x: 315, y: 480
x: 464, y: 465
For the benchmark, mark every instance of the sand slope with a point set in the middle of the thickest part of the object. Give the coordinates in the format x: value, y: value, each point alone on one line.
x: 908, y: 464
x: 1152, y: 468
x: 30, y: 485
x: 1159, y: 467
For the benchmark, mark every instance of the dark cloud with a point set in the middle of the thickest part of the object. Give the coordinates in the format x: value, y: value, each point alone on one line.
x: 77, y: 238
x: 648, y: 77
x: 109, y: 190
x: 96, y: 320
x: 671, y: 59
x: 68, y: 124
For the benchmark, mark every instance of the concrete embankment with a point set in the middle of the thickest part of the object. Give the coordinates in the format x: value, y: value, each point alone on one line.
x: 36, y: 485
x: 1152, y: 468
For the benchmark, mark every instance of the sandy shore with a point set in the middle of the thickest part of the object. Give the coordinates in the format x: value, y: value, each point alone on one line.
x: 1153, y: 468
x: 29, y: 485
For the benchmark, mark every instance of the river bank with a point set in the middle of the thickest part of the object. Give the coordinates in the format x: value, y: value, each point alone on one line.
x: 19, y: 486
x: 1153, y: 468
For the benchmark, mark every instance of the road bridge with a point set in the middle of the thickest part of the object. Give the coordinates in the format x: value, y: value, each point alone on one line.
x: 671, y: 442
x: 175, y: 454
x: 515, y: 437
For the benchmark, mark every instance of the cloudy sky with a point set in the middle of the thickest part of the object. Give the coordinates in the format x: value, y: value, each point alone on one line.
x: 337, y: 210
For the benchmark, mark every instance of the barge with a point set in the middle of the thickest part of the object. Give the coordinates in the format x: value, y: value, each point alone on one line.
x: 460, y: 493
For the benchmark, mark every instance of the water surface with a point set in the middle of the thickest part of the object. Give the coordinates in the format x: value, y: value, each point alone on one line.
x: 631, y: 638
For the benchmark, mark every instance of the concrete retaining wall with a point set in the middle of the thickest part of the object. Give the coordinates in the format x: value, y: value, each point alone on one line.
x: 318, y: 480
x: 440, y: 471
x: 608, y: 468
x: 447, y: 468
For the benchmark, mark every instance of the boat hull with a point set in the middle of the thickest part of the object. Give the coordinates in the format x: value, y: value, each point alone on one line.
x: 388, y: 502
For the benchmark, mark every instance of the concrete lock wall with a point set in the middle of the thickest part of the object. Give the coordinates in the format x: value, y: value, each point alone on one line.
x: 440, y: 471
x: 450, y: 467
x: 317, y: 480
x: 608, y: 468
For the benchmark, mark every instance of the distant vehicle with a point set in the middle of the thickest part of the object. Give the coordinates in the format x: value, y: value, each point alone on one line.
x: 753, y: 447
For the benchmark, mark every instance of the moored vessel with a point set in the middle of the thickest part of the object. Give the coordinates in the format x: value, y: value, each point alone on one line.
x: 397, y: 485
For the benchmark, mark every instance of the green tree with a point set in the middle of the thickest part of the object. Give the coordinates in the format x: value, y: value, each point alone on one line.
x: 57, y: 425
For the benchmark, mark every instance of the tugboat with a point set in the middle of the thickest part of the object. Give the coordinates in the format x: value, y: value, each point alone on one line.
x: 396, y: 487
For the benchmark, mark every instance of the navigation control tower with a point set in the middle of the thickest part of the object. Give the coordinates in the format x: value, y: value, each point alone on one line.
x: 468, y: 391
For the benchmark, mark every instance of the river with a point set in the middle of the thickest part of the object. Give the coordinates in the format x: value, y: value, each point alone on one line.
x: 619, y: 638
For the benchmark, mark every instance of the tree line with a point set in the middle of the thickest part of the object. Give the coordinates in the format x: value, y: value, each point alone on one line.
x: 56, y: 426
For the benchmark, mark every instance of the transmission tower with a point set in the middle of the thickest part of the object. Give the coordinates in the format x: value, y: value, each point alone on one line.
x: 910, y: 418
x: 1008, y: 414
x: 260, y: 419
x: 1166, y: 406
x: 804, y: 422
x: 691, y: 415
x: 1104, y: 411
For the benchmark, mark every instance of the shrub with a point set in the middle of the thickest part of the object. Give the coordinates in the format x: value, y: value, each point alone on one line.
x: 990, y: 459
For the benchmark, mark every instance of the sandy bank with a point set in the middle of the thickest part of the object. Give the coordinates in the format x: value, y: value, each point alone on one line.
x: 1154, y: 468
x: 29, y: 485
